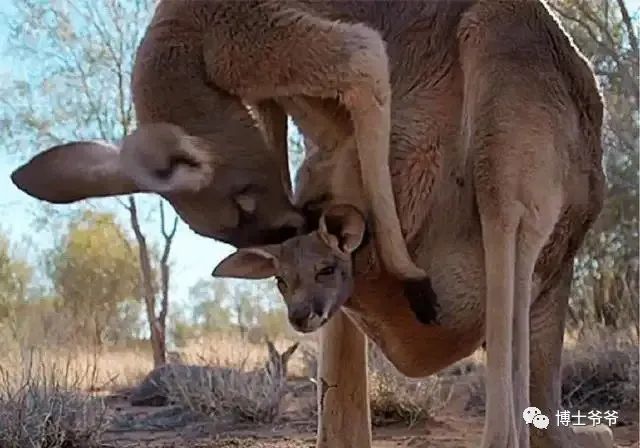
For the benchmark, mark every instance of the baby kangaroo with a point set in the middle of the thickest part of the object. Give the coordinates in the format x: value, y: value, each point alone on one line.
x: 315, y: 271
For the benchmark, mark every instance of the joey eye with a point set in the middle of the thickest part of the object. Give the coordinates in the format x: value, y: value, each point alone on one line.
x: 281, y: 284
x: 326, y: 271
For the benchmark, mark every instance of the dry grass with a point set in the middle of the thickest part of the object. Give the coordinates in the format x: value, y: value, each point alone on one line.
x: 118, y: 368
x: 228, y: 394
x: 43, y: 406
x: 227, y: 391
x: 602, y: 373
x: 395, y: 398
x: 46, y: 398
x: 230, y: 350
x: 111, y: 369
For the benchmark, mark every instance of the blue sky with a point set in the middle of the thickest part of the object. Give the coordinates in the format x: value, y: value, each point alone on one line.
x: 194, y: 256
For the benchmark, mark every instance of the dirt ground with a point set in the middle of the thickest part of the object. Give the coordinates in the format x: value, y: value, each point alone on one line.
x: 168, y: 427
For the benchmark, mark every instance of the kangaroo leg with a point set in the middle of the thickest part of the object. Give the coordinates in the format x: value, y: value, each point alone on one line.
x: 499, y: 238
x: 534, y: 231
x: 512, y: 137
x: 343, y: 398
x: 300, y: 54
x: 547, y: 331
x: 517, y: 220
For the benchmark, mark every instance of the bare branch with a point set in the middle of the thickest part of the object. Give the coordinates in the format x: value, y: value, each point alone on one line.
x: 626, y: 19
x: 592, y: 26
x: 122, y: 203
x: 168, y: 235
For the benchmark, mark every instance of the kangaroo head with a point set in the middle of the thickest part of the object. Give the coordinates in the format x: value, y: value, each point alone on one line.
x: 220, y: 191
x: 314, y: 272
x: 277, y: 364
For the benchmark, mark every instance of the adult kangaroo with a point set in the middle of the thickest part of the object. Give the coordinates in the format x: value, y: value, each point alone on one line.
x: 496, y: 165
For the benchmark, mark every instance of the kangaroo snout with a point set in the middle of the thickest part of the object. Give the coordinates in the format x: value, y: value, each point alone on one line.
x: 309, y: 315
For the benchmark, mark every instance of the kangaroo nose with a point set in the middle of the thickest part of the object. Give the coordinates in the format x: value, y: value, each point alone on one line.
x: 299, y: 317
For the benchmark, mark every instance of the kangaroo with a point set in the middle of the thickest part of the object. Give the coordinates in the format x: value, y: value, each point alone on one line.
x: 212, y: 134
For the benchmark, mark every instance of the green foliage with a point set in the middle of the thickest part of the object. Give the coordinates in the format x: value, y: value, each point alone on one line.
x: 95, y: 272
x: 15, y: 277
x: 210, y: 310
x: 232, y: 305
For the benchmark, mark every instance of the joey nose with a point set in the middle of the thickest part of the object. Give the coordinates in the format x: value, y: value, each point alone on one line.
x: 299, y: 317
x: 318, y: 307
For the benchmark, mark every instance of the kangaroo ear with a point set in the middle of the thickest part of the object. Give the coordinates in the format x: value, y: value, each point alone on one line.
x: 157, y: 158
x: 250, y: 263
x: 342, y: 228
x: 74, y: 171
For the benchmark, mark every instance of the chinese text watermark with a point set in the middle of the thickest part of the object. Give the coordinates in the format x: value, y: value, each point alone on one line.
x: 533, y: 416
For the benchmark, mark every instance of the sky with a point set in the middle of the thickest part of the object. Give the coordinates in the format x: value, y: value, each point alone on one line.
x: 194, y: 256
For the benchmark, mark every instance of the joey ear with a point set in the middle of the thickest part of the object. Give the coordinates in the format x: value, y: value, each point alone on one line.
x: 342, y: 228
x: 74, y: 171
x: 163, y: 158
x: 249, y: 263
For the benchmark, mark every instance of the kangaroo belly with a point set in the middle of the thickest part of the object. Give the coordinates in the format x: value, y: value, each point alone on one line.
x: 381, y: 309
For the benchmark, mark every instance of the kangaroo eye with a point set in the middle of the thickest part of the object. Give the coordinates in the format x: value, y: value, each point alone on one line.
x: 327, y: 270
x: 282, y: 285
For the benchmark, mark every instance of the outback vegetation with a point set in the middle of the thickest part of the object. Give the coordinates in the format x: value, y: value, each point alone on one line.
x: 92, y: 297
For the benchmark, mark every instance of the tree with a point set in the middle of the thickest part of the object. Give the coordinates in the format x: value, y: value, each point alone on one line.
x: 95, y: 274
x: 157, y: 318
x: 210, y: 310
x: 607, y: 266
x: 245, y: 305
x: 252, y: 300
x: 79, y: 55
x: 15, y: 278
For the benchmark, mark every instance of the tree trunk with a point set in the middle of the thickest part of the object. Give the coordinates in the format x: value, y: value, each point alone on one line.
x: 158, y: 344
x: 157, y: 329
x: 157, y: 323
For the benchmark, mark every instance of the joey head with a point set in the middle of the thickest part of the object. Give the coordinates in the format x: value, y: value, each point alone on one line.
x: 314, y: 272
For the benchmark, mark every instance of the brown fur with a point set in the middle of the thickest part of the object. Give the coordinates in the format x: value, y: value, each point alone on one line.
x: 506, y: 115
x: 492, y: 94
